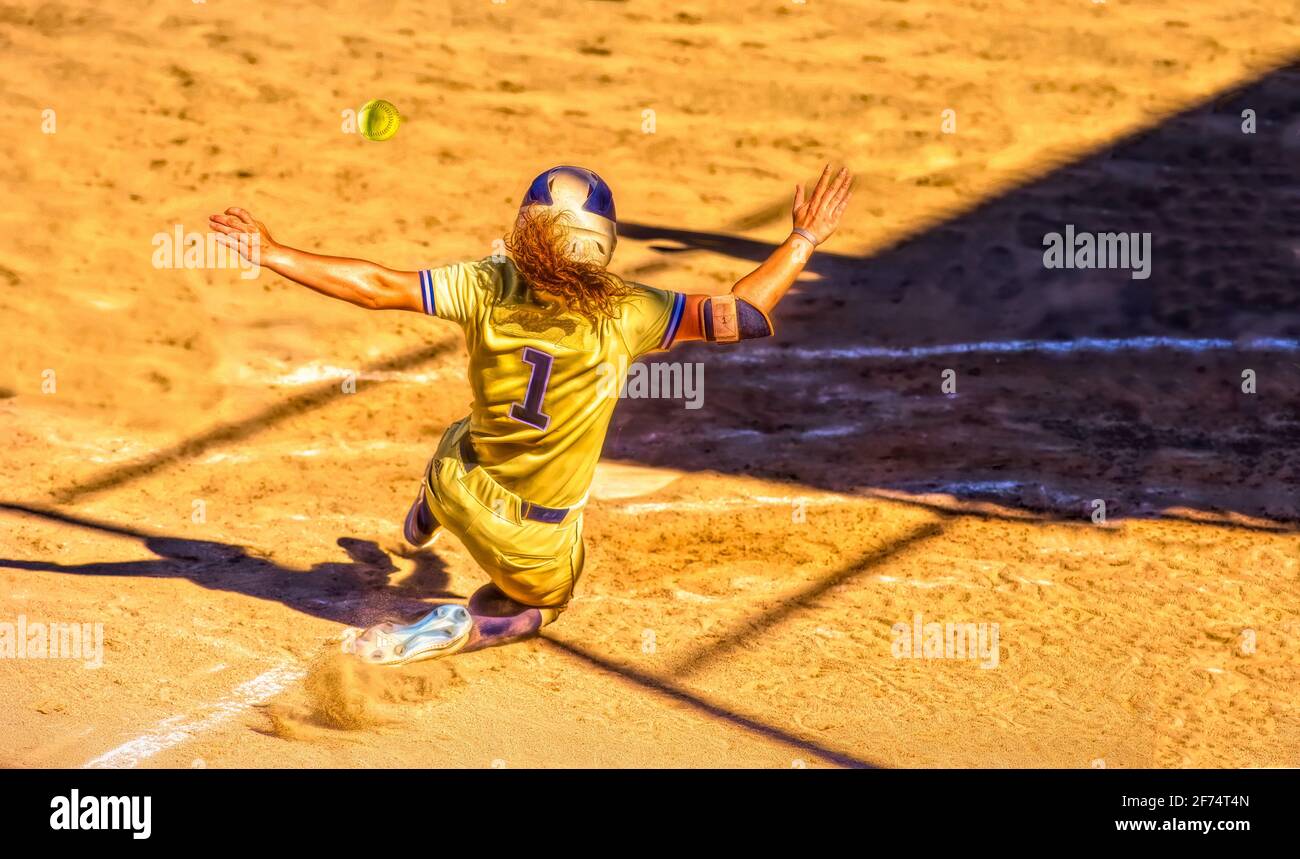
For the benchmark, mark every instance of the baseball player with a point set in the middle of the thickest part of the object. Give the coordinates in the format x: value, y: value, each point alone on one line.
x: 510, y: 480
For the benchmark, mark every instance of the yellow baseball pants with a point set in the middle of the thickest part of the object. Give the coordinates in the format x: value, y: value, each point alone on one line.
x: 534, y: 563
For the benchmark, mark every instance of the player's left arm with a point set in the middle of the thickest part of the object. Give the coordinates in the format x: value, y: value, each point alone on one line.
x: 356, y: 281
x: 727, y: 318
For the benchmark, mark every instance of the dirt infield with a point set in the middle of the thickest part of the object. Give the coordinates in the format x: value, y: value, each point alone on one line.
x: 187, y: 465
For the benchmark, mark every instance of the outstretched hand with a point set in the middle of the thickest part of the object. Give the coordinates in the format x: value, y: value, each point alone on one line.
x: 237, y: 229
x: 820, y: 214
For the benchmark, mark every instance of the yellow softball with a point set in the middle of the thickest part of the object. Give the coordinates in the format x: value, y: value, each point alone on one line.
x: 378, y: 119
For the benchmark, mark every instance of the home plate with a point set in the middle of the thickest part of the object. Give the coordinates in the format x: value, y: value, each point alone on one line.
x: 615, y: 480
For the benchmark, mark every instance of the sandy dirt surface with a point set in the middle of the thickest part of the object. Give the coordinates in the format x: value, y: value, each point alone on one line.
x: 183, y: 463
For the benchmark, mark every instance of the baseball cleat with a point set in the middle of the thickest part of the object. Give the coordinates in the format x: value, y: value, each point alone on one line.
x: 441, y: 632
x: 421, y: 528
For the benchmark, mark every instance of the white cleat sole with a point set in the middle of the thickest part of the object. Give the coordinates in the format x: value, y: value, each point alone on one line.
x: 441, y: 632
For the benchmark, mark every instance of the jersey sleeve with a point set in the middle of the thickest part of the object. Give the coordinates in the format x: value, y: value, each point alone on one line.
x: 457, y: 292
x: 651, y: 318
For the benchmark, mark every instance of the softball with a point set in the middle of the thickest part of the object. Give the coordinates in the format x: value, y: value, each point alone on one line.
x: 378, y: 119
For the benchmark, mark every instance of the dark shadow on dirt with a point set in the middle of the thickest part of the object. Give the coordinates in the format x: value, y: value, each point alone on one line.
x: 683, y: 696
x: 356, y: 592
x: 1059, y: 400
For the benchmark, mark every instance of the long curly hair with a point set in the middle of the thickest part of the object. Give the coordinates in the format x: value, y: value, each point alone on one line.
x: 541, y: 250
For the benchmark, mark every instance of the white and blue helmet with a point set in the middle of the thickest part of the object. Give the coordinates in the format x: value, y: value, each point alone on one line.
x: 586, y: 206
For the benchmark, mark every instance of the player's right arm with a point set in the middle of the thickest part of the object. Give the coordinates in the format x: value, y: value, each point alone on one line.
x: 815, y: 218
x: 356, y: 281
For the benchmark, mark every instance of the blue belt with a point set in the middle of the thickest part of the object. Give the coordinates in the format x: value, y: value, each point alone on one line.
x: 529, y: 510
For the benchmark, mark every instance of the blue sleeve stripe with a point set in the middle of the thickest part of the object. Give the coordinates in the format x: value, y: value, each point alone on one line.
x: 674, y: 320
x: 426, y: 292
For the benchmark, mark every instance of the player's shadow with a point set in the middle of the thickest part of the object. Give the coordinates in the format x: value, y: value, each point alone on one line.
x: 356, y: 592
x: 822, y: 263
x: 1070, y: 384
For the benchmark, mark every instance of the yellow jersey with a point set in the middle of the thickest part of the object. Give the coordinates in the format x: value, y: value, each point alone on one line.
x: 545, y: 379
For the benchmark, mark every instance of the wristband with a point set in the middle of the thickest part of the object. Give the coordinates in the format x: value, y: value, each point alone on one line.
x: 800, y: 231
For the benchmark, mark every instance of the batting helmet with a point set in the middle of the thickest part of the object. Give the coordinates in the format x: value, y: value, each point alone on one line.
x: 586, y: 206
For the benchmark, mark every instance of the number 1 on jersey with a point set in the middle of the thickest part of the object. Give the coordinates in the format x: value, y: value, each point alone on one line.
x: 530, y: 410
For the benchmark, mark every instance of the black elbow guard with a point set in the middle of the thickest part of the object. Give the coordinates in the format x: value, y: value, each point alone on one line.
x: 726, y: 319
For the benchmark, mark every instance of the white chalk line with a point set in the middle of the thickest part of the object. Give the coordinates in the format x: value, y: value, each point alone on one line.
x: 1083, y: 345
x: 722, y: 503
x: 173, y: 731
x: 971, y: 490
x: 1000, y: 488
x: 317, y: 372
